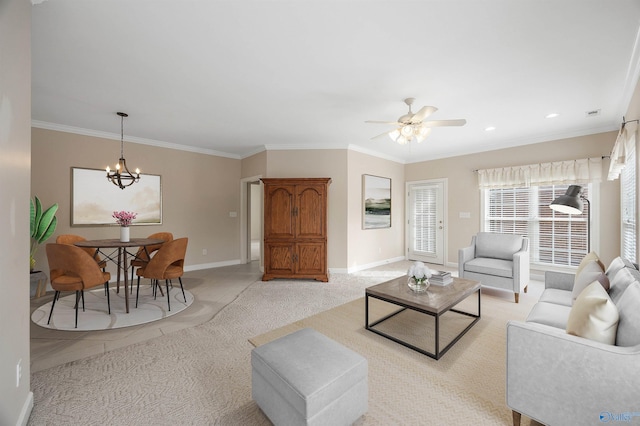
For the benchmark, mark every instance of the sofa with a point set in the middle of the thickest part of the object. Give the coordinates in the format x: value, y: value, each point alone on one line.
x: 496, y: 260
x: 576, y: 358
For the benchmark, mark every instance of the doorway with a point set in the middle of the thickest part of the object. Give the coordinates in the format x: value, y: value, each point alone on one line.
x: 251, y: 220
x: 425, y: 220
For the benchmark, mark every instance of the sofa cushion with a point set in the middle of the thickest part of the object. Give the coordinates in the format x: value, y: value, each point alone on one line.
x: 622, y: 280
x: 550, y: 314
x: 489, y: 266
x: 616, y: 265
x: 590, y: 272
x: 497, y: 246
x: 629, y: 311
x: 593, y: 315
x: 557, y: 296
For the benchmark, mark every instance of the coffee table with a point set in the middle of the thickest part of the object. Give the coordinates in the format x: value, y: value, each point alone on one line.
x: 435, y: 302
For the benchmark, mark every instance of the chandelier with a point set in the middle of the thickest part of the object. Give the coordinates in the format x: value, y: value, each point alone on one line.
x: 121, y: 176
x: 405, y: 134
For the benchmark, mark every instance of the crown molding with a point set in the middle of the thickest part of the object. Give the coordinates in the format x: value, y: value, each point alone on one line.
x: 132, y: 139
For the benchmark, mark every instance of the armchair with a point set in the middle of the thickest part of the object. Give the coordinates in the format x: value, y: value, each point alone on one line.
x: 496, y: 260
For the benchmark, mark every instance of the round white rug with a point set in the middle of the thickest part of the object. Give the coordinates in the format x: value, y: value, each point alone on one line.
x: 95, y: 316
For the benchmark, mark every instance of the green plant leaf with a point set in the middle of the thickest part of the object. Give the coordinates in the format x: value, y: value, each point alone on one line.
x: 32, y: 217
x: 45, y: 221
x: 50, y: 229
x: 37, y: 218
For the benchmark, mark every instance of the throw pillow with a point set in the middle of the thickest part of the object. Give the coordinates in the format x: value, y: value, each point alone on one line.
x: 591, y: 256
x: 589, y: 273
x: 594, y: 316
x: 629, y: 324
x: 616, y: 265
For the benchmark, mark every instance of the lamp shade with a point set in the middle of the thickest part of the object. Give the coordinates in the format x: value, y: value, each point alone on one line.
x: 570, y: 202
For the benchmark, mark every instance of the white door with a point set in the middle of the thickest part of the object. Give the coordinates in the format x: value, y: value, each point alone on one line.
x: 425, y: 223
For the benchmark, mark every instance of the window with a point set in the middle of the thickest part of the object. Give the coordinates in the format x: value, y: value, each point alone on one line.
x: 628, y: 206
x: 554, y: 238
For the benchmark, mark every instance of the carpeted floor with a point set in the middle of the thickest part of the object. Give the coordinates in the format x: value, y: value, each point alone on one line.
x: 202, y: 375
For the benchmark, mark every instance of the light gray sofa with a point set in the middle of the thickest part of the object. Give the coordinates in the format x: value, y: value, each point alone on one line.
x: 496, y: 260
x: 560, y: 379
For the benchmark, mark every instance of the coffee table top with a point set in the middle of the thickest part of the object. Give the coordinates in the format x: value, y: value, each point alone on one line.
x: 437, y: 299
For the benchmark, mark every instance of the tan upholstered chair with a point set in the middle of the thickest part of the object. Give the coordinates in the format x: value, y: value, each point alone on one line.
x: 166, y: 264
x: 71, y: 239
x: 72, y: 269
x: 142, y: 256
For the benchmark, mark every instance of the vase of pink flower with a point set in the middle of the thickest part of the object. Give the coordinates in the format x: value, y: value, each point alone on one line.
x: 124, y: 219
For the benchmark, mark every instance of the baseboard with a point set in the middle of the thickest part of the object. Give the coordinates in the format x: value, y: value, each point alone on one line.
x: 26, y: 411
x: 211, y: 265
x: 367, y: 266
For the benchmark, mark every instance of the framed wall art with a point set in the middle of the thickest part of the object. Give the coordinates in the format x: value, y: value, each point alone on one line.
x: 94, y: 199
x: 376, y: 208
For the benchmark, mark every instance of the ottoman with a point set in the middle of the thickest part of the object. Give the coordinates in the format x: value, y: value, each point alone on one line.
x: 306, y: 378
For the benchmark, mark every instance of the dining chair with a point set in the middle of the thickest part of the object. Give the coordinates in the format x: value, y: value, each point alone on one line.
x: 73, y: 269
x: 71, y: 239
x: 142, y: 256
x: 166, y: 264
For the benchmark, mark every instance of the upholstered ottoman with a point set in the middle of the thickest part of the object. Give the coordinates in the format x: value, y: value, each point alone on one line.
x: 306, y: 378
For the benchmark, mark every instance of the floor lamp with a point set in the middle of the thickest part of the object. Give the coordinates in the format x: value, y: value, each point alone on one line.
x: 571, y: 203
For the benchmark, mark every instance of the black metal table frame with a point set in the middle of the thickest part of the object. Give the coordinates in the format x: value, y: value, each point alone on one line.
x: 438, y: 353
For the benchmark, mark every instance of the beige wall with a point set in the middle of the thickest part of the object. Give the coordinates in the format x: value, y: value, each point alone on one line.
x: 198, y: 191
x: 331, y: 163
x: 368, y: 247
x: 256, y: 165
x: 15, y: 135
x: 464, y: 195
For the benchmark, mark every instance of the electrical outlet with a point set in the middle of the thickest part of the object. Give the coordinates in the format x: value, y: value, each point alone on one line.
x: 18, y: 372
x: 204, y: 252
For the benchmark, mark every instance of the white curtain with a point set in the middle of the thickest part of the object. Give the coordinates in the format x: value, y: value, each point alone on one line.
x: 624, y: 142
x: 555, y: 173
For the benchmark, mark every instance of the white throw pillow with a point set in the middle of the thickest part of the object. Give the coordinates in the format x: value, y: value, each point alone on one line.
x: 591, y: 256
x: 594, y: 316
x: 590, y: 272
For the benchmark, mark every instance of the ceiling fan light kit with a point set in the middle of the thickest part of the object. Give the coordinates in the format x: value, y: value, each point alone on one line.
x: 413, y: 126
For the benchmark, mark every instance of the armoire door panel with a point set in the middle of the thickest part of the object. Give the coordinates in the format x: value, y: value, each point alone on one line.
x: 311, y: 258
x: 279, y: 223
x: 311, y: 212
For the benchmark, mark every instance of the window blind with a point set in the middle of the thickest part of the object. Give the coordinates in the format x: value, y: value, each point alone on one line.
x: 628, y: 206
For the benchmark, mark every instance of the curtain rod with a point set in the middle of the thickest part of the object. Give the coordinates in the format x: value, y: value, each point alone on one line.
x: 624, y: 121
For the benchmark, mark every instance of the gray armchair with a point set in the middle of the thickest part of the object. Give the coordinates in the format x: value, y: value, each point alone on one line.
x: 496, y: 260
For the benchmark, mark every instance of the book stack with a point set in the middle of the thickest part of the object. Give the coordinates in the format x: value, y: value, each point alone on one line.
x: 440, y: 278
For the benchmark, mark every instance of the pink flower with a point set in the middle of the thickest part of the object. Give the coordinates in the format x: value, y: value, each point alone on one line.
x: 124, y: 218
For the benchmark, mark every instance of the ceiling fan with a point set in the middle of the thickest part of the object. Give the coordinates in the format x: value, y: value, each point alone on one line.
x: 410, y: 125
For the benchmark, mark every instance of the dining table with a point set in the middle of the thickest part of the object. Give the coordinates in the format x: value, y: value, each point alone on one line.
x: 121, y: 259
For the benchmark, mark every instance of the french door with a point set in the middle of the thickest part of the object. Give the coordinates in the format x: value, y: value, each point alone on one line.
x: 425, y: 221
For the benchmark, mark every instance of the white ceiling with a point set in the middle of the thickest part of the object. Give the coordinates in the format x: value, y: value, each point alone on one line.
x: 235, y: 76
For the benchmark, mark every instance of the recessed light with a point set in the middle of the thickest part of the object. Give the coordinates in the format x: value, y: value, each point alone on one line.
x: 552, y: 115
x: 489, y: 129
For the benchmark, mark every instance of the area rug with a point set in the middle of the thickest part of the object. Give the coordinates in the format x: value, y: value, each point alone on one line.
x: 96, y: 317
x: 466, y: 386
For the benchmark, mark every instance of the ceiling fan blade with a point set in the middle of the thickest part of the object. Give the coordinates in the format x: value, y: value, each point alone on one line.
x: 395, y: 123
x: 382, y: 134
x: 441, y: 123
x: 423, y: 113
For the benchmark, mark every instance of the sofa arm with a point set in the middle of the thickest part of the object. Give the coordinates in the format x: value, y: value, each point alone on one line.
x: 465, y: 254
x: 559, y: 280
x: 520, y: 270
x: 559, y: 379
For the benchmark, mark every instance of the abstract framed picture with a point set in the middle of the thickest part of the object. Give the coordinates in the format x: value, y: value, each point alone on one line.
x: 376, y: 200
x: 94, y: 199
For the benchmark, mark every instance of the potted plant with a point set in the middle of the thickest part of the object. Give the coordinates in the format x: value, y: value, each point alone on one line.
x: 43, y: 225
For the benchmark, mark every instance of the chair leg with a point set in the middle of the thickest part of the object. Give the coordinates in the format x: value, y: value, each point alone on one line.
x: 78, y: 292
x: 166, y: 283
x: 517, y: 295
x: 106, y: 289
x: 55, y: 297
x: 137, y: 290
x: 182, y: 288
x: 82, y: 295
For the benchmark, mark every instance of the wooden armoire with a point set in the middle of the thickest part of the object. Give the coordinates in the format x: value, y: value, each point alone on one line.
x: 295, y: 228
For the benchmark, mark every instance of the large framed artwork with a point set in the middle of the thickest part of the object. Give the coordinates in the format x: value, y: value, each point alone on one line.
x: 94, y: 199
x: 376, y: 209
